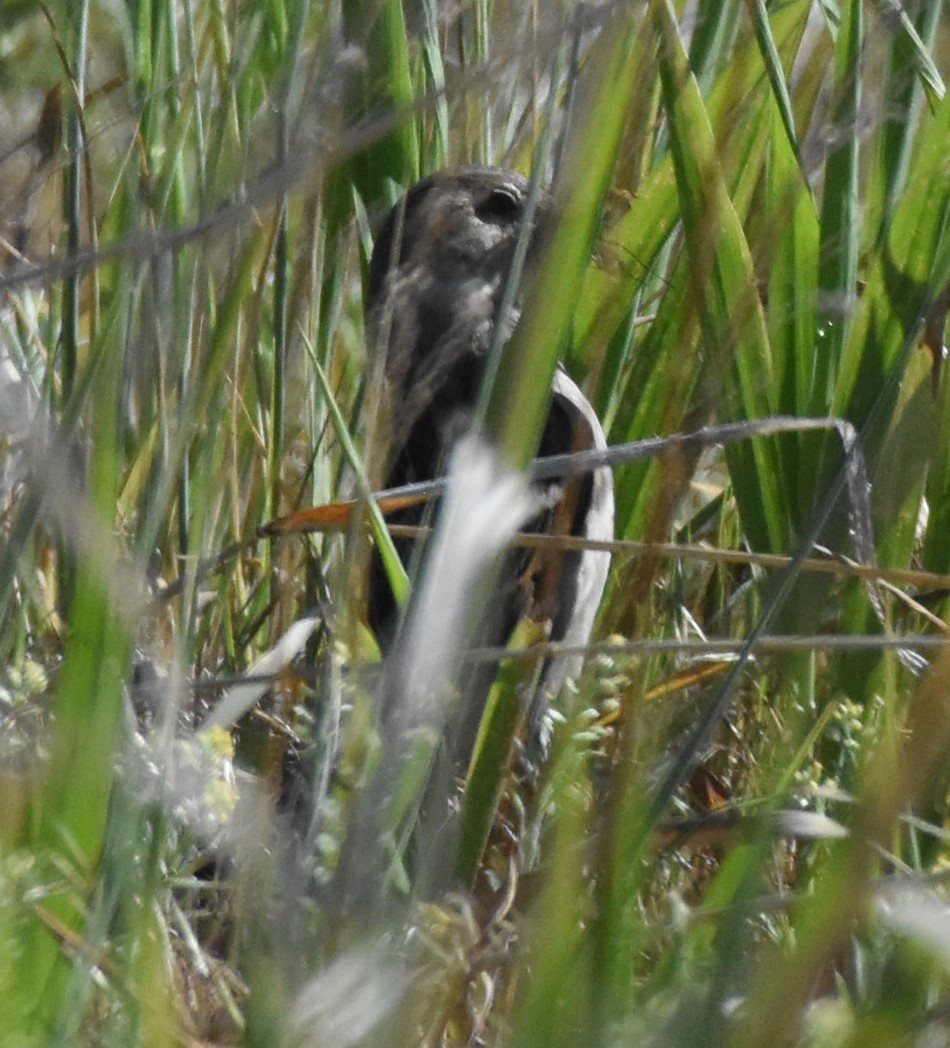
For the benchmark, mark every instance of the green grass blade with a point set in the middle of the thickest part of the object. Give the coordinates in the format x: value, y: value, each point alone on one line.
x: 730, y: 315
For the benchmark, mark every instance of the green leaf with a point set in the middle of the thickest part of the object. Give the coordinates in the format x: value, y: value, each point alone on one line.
x: 723, y: 283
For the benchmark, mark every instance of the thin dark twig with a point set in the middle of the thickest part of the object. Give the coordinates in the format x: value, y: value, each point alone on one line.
x: 578, y: 463
x: 720, y: 648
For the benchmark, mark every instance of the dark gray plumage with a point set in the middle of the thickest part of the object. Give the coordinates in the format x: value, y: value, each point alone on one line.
x: 438, y: 272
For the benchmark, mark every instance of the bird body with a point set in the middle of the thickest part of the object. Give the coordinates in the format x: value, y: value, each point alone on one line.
x: 437, y: 278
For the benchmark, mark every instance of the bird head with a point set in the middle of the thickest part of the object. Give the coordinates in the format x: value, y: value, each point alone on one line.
x: 440, y: 265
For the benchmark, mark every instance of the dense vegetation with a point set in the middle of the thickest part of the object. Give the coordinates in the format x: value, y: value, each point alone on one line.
x: 738, y: 837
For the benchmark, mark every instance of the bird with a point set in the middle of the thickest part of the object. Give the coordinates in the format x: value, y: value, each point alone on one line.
x: 433, y: 307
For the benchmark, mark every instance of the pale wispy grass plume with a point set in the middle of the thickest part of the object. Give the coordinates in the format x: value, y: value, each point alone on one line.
x: 485, y: 505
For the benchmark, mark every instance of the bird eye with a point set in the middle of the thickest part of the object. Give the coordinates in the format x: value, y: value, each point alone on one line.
x: 503, y: 204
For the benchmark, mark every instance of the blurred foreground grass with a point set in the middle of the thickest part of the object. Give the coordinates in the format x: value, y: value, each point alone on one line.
x: 188, y: 200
